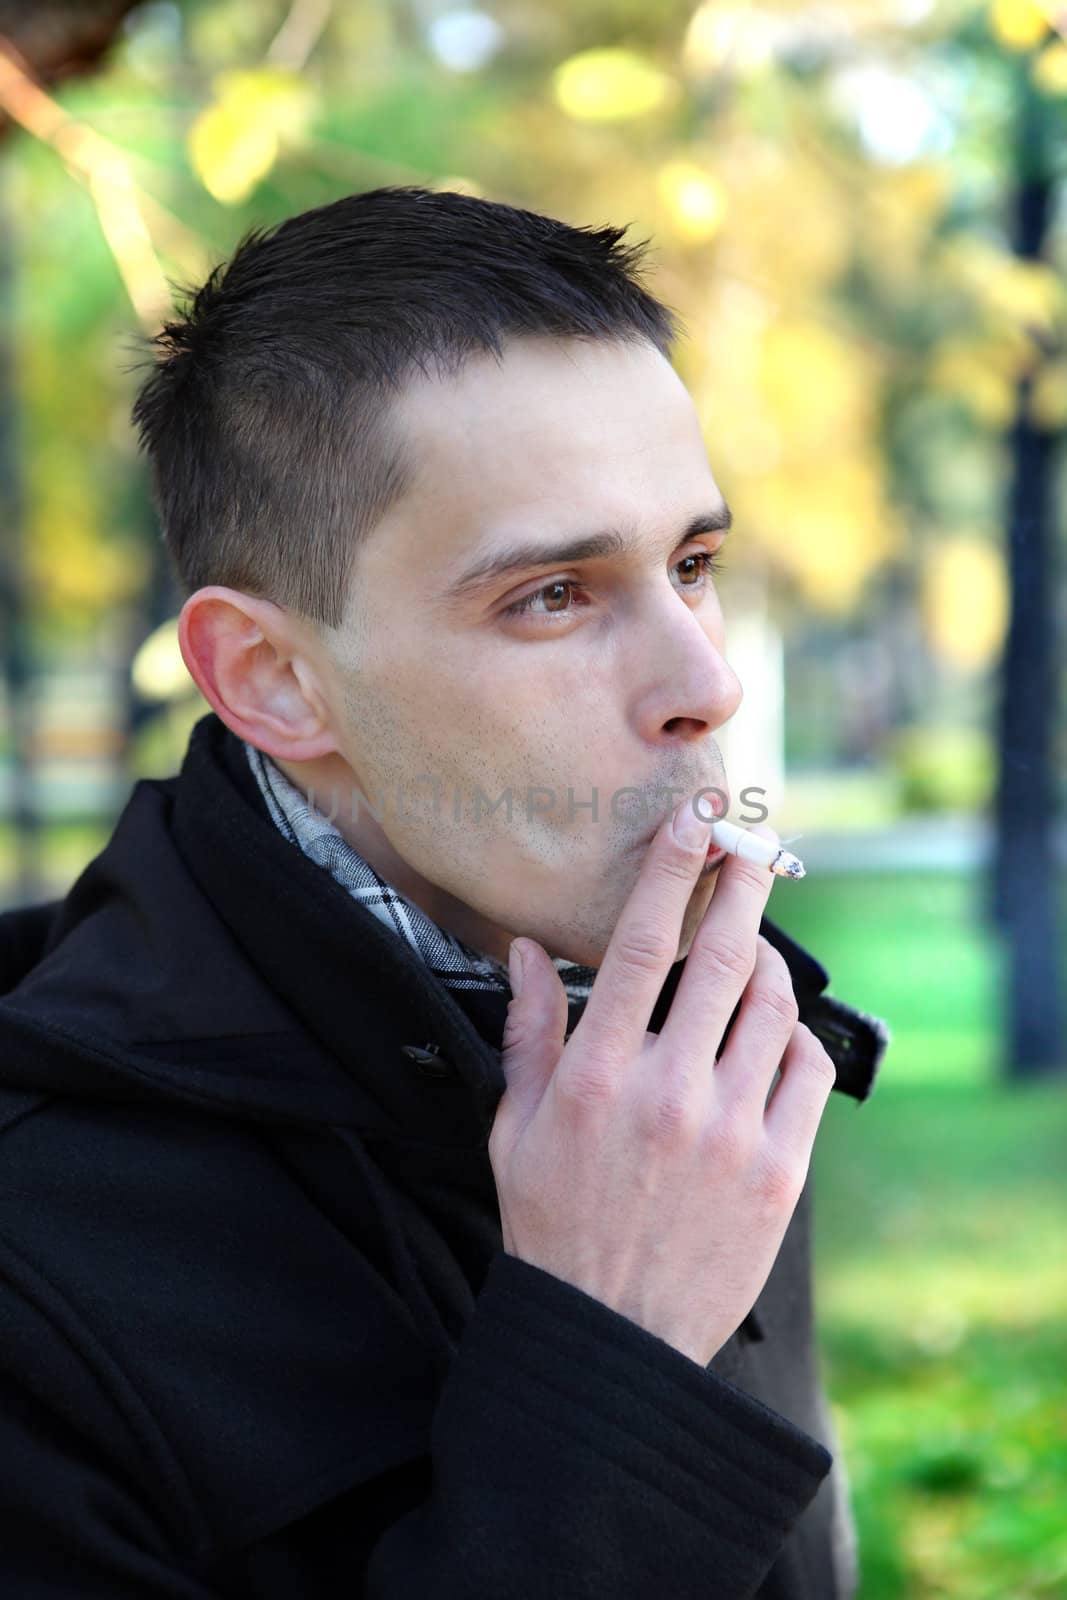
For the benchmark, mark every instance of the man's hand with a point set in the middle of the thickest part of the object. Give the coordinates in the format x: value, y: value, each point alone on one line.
x: 634, y: 1165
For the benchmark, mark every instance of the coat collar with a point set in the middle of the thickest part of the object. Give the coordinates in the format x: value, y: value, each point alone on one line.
x: 449, y: 1037
x: 288, y: 1001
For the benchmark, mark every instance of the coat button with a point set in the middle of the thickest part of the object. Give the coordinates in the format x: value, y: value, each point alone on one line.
x: 429, y: 1060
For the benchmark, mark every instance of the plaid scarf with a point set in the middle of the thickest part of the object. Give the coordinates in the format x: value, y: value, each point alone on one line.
x: 454, y: 963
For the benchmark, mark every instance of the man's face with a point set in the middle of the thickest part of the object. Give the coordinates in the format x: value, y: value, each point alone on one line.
x: 613, y: 679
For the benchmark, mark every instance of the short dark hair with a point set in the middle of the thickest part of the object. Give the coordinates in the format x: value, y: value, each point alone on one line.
x: 267, y: 415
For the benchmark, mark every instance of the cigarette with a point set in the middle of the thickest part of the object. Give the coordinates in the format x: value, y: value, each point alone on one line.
x: 751, y: 847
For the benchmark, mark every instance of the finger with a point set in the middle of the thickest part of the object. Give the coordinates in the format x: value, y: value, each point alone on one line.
x: 795, y: 1108
x: 721, y: 959
x: 644, y: 944
x: 534, y: 1030
x: 766, y: 1021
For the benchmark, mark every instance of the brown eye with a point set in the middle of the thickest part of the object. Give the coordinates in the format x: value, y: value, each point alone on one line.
x: 705, y: 564
x: 529, y: 604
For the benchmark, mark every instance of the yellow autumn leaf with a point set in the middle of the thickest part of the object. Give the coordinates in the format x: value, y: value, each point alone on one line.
x: 234, y: 143
x: 610, y: 85
x: 816, y: 385
x: 1049, y: 71
x: 68, y: 564
x: 922, y: 189
x: 735, y: 39
x: 1030, y: 294
x: 983, y: 385
x: 828, y: 524
x: 231, y: 152
x: 901, y: 210
x: 695, y: 198
x: 964, y: 601
x: 776, y: 240
x: 158, y: 670
x: 281, y: 97
x: 1048, y: 397
x: 1019, y: 24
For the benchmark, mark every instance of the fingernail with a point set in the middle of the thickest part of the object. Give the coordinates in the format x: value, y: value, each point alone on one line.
x: 690, y: 827
x: 515, y: 968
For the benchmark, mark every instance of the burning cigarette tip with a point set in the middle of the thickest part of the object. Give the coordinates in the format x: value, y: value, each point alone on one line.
x: 755, y: 847
x: 786, y: 865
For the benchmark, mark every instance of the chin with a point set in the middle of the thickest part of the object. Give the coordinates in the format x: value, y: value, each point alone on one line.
x: 699, y: 899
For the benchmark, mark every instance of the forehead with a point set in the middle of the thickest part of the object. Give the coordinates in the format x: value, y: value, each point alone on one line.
x: 551, y: 421
x: 557, y: 439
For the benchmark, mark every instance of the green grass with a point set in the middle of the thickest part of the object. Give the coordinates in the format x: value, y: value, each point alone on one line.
x: 913, y: 949
x: 941, y: 1281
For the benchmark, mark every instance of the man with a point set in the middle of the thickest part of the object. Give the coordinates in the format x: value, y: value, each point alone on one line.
x: 331, y: 1266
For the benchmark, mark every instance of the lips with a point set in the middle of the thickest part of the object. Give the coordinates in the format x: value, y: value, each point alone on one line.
x: 717, y: 794
x: 715, y: 856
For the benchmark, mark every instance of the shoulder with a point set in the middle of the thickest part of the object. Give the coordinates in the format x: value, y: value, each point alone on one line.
x: 172, y: 1286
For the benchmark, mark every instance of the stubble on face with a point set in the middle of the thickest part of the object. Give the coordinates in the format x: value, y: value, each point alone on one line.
x: 553, y: 441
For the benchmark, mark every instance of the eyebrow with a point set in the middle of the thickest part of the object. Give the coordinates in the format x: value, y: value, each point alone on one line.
x: 586, y: 547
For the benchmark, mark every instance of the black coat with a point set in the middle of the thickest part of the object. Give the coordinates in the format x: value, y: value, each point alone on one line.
x: 259, y: 1333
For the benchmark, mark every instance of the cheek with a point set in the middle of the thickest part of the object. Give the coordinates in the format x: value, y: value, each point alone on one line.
x: 714, y: 624
x: 472, y: 721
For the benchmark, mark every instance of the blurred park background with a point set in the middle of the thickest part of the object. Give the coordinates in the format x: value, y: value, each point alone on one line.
x: 858, y: 208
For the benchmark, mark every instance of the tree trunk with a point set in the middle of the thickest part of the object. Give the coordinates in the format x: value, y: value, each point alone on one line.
x: 1025, y: 885
x: 15, y: 663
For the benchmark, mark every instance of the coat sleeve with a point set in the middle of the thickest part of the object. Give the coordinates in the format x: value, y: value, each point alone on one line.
x: 576, y: 1454
x: 572, y: 1455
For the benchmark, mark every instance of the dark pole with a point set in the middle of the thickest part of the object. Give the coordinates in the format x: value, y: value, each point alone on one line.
x: 1025, y: 877
x: 15, y: 656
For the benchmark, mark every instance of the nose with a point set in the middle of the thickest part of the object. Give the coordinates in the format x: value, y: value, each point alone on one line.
x: 691, y: 688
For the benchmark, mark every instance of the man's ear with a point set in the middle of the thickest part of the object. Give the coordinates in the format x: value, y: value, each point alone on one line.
x: 260, y: 669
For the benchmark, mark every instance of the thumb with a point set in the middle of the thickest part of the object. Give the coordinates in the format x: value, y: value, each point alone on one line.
x: 536, y: 1024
